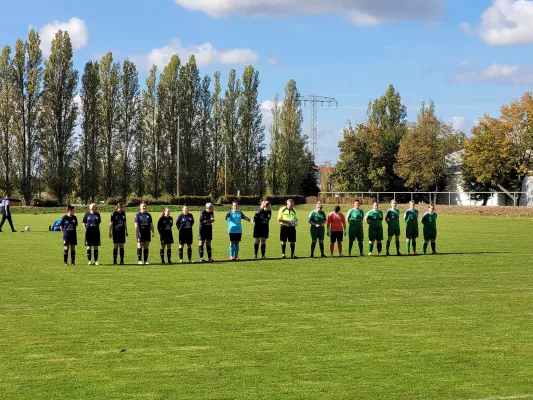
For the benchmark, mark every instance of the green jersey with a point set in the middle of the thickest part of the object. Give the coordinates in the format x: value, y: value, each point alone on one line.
x: 430, y: 221
x: 355, y: 217
x: 317, y: 217
x: 411, y: 217
x: 393, y: 218
x: 375, y: 218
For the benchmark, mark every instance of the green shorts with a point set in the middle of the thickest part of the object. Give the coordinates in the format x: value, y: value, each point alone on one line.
x: 393, y: 231
x: 411, y: 232
x: 317, y: 233
x: 375, y: 234
x: 356, y: 232
x: 430, y: 234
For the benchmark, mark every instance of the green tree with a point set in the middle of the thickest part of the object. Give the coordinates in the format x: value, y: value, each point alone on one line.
x: 275, y: 147
x: 168, y: 103
x: 421, y: 158
x: 250, y: 132
x: 230, y: 128
x: 58, y: 116
x: 110, y: 117
x: 128, y: 124
x: 205, y: 151
x: 309, y: 185
x: 89, y: 175
x: 6, y: 119
x: 216, y: 120
x: 27, y: 83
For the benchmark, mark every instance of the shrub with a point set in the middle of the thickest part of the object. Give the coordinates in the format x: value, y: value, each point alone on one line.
x: 44, y: 203
x: 191, y: 200
x: 243, y: 200
x: 112, y: 201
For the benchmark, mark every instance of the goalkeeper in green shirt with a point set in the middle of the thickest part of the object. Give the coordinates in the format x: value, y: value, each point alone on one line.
x: 355, y: 227
x: 374, y: 219
x: 411, y: 227
x: 317, y: 219
x: 393, y: 221
x: 429, y: 219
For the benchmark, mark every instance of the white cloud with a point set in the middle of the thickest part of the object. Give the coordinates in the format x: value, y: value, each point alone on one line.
x: 76, y: 28
x: 464, y: 63
x: 359, y: 12
x: 273, y: 60
x: 519, y: 75
x: 506, y: 22
x: 205, y: 54
x: 463, y: 124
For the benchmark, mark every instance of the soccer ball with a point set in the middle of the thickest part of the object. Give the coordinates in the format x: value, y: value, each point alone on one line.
x: 294, y: 222
x: 27, y: 228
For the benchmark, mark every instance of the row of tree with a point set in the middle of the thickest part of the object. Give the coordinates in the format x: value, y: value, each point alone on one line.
x: 133, y: 141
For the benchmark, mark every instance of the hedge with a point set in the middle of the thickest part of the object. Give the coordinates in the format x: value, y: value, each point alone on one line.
x: 44, y: 203
x: 281, y: 200
x: 243, y: 200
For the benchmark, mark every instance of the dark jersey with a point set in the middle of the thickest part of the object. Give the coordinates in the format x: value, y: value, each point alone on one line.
x: 118, y: 219
x: 144, y: 220
x: 262, y: 216
x: 69, y: 224
x: 92, y: 221
x: 205, y: 217
x: 185, y: 221
x: 165, y: 224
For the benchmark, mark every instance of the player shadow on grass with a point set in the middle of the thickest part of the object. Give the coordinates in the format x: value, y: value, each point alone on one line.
x: 466, y: 253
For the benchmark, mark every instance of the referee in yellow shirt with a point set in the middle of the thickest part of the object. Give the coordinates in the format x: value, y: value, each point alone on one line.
x: 288, y: 221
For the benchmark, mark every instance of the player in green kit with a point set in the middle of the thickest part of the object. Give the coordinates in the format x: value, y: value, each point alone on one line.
x: 429, y: 219
x: 393, y: 221
x: 374, y: 219
x: 355, y: 219
x: 317, y: 219
x: 411, y: 227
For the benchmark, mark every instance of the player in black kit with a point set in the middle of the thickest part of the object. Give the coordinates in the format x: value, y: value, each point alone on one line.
x: 91, y: 223
x: 184, y: 224
x: 261, y: 220
x: 118, y: 231
x: 144, y: 228
x: 164, y: 227
x: 205, y: 234
x: 68, y: 225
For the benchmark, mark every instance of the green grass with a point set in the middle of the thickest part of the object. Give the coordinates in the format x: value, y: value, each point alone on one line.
x: 452, y: 326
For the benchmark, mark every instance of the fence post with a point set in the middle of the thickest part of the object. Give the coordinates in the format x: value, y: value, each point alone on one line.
x: 449, y: 199
x: 394, y: 194
x: 514, y: 199
x: 377, y: 194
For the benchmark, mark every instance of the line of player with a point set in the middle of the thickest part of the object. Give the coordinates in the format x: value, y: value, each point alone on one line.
x: 335, y: 226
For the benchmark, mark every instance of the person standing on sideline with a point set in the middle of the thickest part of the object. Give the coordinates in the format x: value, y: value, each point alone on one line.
x: 91, y: 224
x: 184, y: 223
x: 374, y: 219
x: 118, y: 232
x: 411, y: 228
x: 317, y: 219
x: 261, y: 228
x: 6, y: 213
x: 143, y: 228
x: 205, y: 232
x: 355, y: 219
x: 393, y: 221
x: 336, y: 230
x: 164, y: 227
x: 288, y: 221
x: 234, y: 218
x: 68, y: 225
x: 429, y: 219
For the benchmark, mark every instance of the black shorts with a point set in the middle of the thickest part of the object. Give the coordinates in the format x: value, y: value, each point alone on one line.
x: 166, y: 237
x: 185, y: 236
x: 205, y: 233
x: 260, y: 231
x: 145, y: 236
x: 287, y: 234
x: 70, y: 238
x: 119, y: 237
x: 92, y: 237
x: 235, y: 237
x: 336, y: 236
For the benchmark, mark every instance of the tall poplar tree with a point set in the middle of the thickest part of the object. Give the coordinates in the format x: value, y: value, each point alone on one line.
x: 216, y: 136
x: 6, y: 120
x: 230, y: 127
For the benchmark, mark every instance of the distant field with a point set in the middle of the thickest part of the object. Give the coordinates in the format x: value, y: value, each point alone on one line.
x: 457, y: 325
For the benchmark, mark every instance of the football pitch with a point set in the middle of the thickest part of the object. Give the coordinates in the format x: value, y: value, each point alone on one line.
x: 457, y: 325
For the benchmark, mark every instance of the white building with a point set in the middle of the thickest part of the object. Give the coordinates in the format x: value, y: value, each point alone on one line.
x: 458, y: 196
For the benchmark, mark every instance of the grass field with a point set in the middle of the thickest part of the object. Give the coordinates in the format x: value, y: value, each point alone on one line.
x: 458, y: 325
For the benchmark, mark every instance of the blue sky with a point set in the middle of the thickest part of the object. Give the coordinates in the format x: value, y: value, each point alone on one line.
x: 468, y: 56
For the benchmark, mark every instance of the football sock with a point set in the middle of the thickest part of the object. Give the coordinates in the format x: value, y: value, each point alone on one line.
x: 413, y: 242
x: 263, y: 249
x: 169, y: 255
x: 408, y: 246
x: 145, y: 254
x: 180, y: 253
x: 189, y: 253
x: 115, y: 254
x: 231, y: 252
x: 72, y: 256
x: 283, y: 248
x: 433, y: 247
x: 388, y: 245
x: 321, y: 245
x: 122, y: 254
x: 397, y: 246
x: 339, y: 246
x: 201, y: 250
x: 331, y: 248
x: 380, y: 247
x: 313, y: 246
x: 95, y: 255
x: 293, y: 246
x: 139, y: 253
x: 162, y: 255
x: 425, y: 247
x: 256, y: 249
x: 236, y: 251
x: 360, y: 242
x: 209, y: 251
x: 65, y: 256
x: 370, y: 247
x: 89, y: 254
x: 350, y: 246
